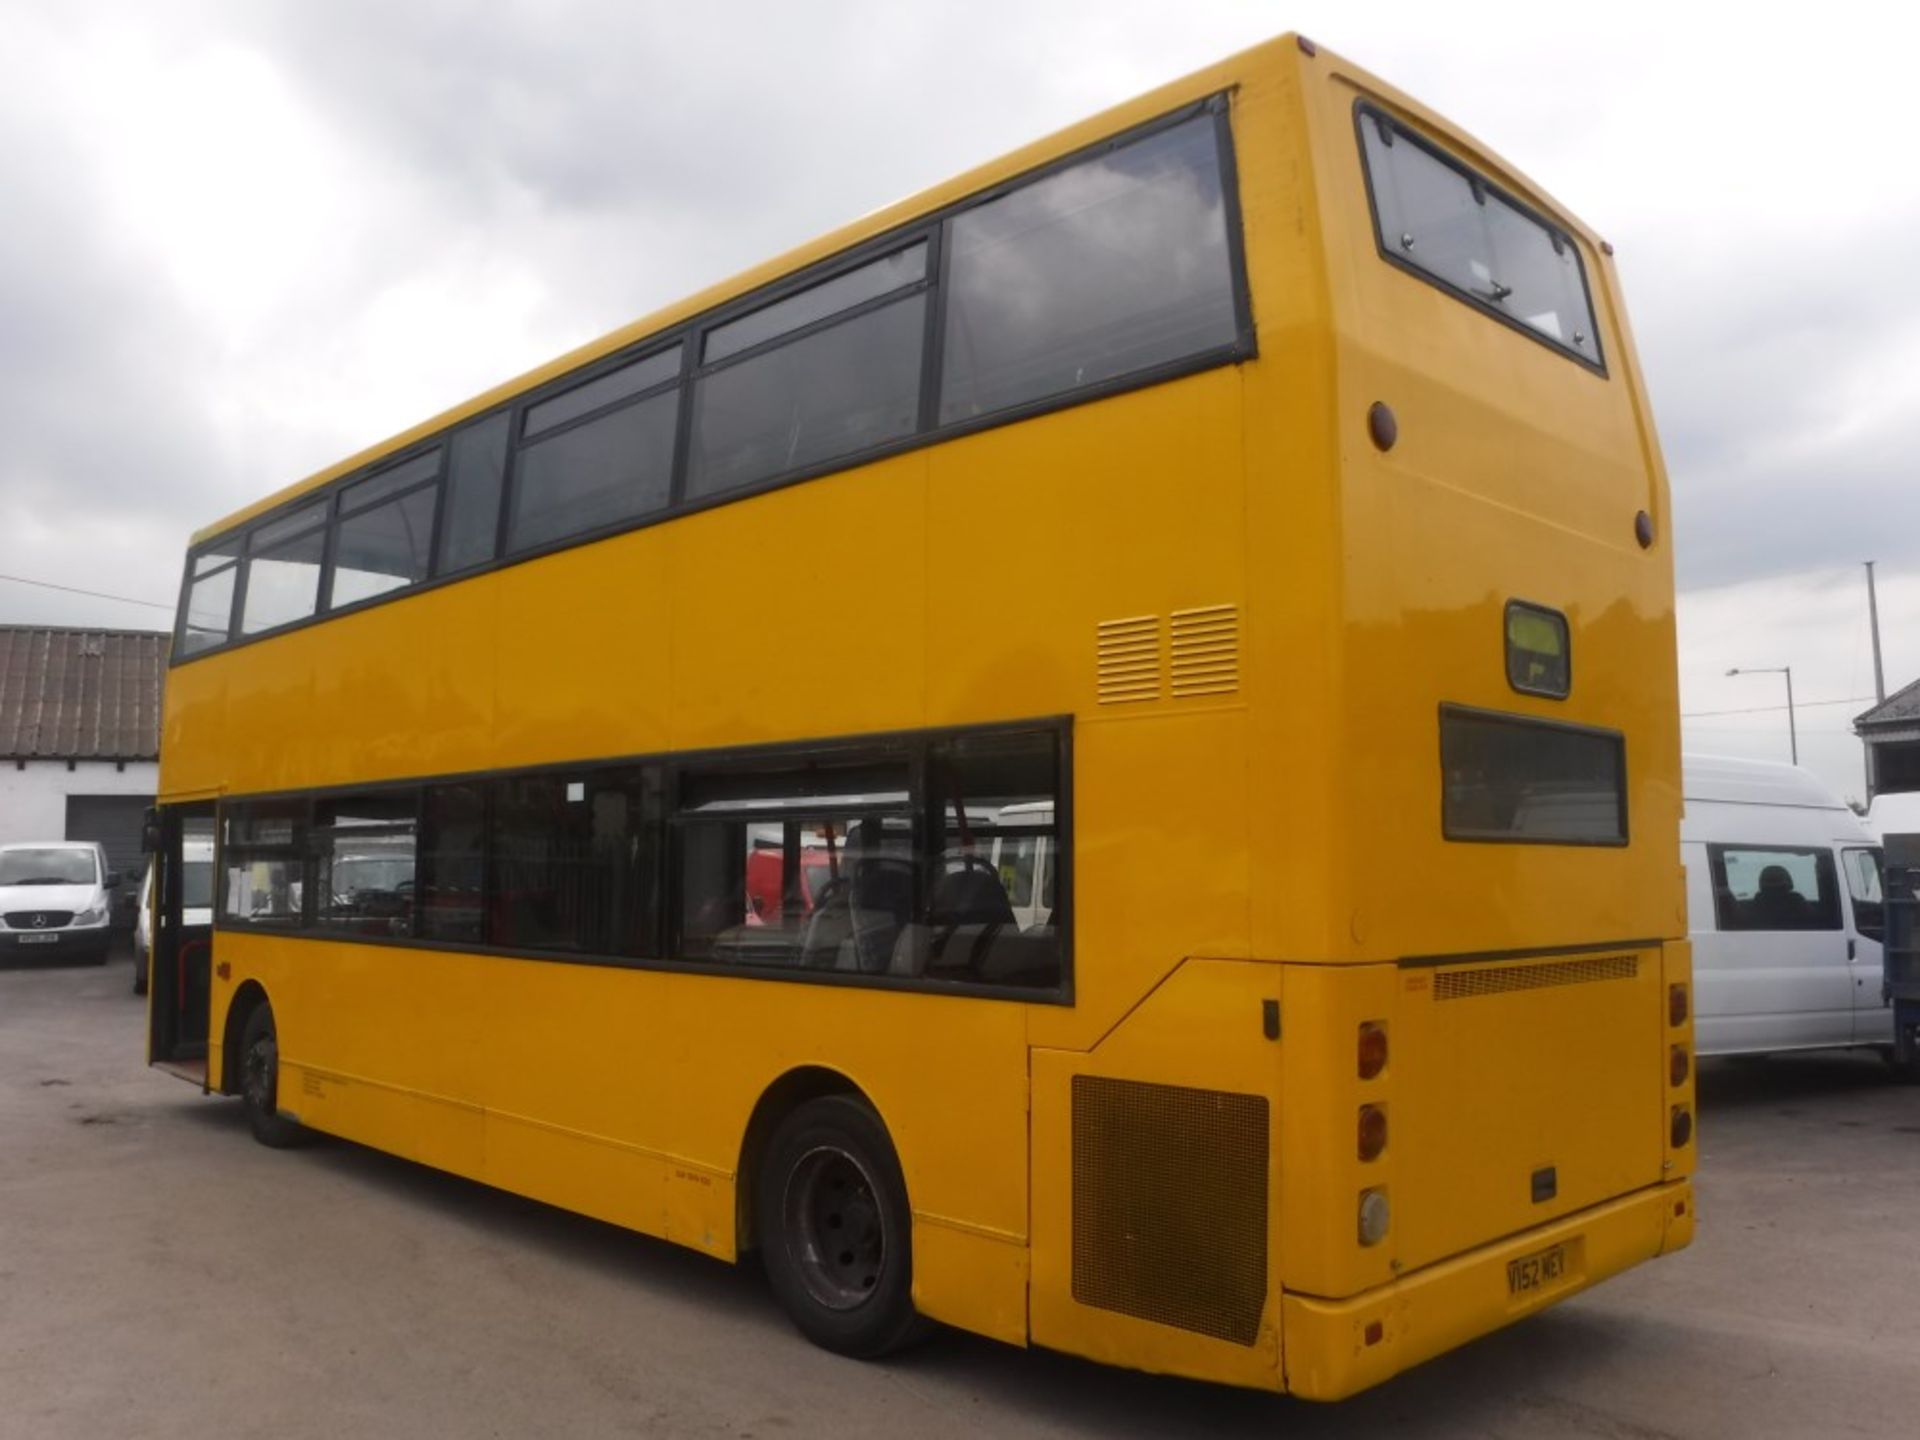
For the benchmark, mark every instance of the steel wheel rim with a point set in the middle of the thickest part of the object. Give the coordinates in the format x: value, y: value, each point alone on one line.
x: 261, y: 1077
x: 836, y: 1232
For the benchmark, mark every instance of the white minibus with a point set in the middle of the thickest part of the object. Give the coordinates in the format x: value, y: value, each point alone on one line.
x: 1785, y: 909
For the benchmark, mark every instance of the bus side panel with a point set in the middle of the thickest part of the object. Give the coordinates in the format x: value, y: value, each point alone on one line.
x: 578, y: 676
x: 1159, y: 833
x: 802, y: 613
x: 483, y: 1066
x: 1156, y: 1183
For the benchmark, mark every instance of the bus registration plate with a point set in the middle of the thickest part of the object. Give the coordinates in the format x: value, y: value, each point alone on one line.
x: 1536, y: 1271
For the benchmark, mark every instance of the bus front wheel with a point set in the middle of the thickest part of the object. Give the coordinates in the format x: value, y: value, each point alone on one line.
x: 260, y: 1081
x: 835, y: 1230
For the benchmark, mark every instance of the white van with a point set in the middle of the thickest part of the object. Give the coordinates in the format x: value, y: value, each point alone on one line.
x: 1785, y: 910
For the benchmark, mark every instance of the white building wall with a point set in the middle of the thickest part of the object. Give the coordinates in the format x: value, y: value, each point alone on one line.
x: 33, y: 800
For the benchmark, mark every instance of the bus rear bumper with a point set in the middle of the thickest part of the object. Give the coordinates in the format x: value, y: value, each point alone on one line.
x: 1334, y: 1348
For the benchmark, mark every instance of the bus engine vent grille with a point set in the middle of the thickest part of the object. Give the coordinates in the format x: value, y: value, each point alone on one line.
x: 1498, y: 979
x: 1129, y: 659
x: 1205, y: 651
x: 1170, y: 1205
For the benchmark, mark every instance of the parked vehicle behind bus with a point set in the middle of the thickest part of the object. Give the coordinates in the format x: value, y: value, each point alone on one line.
x: 1786, y: 910
x: 56, y: 899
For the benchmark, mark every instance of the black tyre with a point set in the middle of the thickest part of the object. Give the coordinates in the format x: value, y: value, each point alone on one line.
x: 835, y: 1230
x: 260, y: 1082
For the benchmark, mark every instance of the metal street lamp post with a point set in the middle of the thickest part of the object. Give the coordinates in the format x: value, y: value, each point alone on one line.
x: 1793, y: 734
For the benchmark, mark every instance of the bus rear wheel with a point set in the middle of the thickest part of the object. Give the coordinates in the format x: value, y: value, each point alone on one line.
x: 835, y: 1230
x: 260, y: 1082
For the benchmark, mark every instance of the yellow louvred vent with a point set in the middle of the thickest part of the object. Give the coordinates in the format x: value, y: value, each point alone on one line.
x: 1129, y: 659
x: 1204, y: 651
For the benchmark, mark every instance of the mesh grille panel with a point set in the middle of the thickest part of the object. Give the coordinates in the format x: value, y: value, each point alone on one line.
x: 1170, y: 1205
x: 1498, y: 979
x: 38, y: 919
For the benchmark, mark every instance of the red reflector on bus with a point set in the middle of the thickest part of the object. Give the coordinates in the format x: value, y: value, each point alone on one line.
x: 1676, y: 1005
x: 1678, y: 1065
x: 1375, y: 1332
x: 1373, y: 1049
x: 1373, y: 1131
x: 1682, y: 1127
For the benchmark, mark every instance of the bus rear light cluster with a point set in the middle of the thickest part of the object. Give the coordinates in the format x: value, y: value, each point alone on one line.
x: 1682, y: 1127
x: 1676, y: 1004
x: 1374, y: 1216
x: 1373, y: 1048
x: 1678, y: 1065
x: 1373, y: 1132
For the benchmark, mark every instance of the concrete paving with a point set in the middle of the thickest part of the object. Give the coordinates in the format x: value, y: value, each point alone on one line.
x: 162, y: 1275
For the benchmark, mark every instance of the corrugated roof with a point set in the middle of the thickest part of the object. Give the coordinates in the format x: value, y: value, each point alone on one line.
x: 80, y: 694
x: 1900, y: 708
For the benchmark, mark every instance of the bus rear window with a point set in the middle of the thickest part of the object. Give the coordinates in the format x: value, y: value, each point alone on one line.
x: 1435, y: 217
x: 1505, y: 777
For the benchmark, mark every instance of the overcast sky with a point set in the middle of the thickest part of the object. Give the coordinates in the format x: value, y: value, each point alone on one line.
x: 242, y: 238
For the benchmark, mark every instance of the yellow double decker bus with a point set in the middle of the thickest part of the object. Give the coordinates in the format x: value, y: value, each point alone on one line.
x: 1091, y: 757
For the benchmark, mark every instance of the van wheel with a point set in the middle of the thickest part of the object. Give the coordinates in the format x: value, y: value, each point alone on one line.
x: 260, y: 1082
x: 835, y: 1231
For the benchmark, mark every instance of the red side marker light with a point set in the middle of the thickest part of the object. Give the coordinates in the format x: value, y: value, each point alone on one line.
x: 1678, y: 1065
x: 1682, y: 1127
x: 1373, y: 1131
x: 1676, y: 1004
x: 1373, y: 1049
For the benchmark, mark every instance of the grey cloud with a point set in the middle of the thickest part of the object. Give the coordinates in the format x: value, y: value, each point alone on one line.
x: 631, y: 153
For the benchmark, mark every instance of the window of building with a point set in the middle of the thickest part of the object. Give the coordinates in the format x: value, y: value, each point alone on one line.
x: 1114, y: 265
x: 1774, y: 887
x: 263, y: 860
x: 363, y: 863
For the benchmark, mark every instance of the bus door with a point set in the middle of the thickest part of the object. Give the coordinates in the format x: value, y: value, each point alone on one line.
x: 180, y: 983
